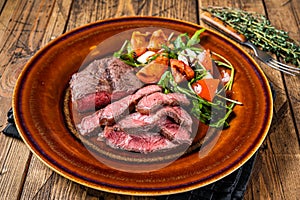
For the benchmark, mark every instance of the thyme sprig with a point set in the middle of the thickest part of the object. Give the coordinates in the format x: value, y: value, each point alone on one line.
x: 258, y: 30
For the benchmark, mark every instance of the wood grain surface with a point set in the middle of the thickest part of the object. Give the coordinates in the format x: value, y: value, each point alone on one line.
x: 28, y: 25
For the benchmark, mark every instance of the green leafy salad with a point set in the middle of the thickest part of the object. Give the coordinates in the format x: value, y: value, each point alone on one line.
x: 179, y: 64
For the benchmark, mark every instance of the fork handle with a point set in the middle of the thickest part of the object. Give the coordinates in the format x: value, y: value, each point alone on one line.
x: 223, y: 27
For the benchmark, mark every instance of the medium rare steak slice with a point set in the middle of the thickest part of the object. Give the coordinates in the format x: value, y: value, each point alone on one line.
x: 149, y: 89
x: 122, y: 79
x: 106, y: 116
x: 91, y: 79
x: 151, y: 103
x: 175, y: 132
x: 177, y: 114
x: 93, y: 101
x: 137, y: 122
x: 145, y: 142
x: 109, y: 77
x: 114, y: 111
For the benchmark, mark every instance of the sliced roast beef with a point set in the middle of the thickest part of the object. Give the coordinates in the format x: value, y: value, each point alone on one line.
x: 146, y: 121
x: 136, y: 123
x: 91, y: 79
x: 184, y: 117
x: 100, y: 78
x: 135, y: 120
x: 149, y: 89
x: 114, y: 111
x: 177, y: 114
x: 145, y: 142
x: 151, y: 103
x: 122, y: 79
x: 175, y: 132
x: 93, y: 101
x: 106, y: 116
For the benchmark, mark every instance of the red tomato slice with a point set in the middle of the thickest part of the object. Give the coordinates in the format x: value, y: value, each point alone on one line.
x: 206, y: 88
x: 139, y: 51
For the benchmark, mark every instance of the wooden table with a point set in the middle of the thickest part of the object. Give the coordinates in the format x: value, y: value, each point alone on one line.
x: 28, y: 25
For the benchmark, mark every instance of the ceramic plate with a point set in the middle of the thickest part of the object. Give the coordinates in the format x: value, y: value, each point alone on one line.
x: 45, y: 122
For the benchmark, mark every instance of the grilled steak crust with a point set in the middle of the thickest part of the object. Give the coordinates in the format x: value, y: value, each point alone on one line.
x: 156, y: 100
x: 143, y: 142
x: 102, y: 81
x: 90, y: 80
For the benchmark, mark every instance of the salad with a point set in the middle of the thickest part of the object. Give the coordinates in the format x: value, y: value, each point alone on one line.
x: 180, y: 64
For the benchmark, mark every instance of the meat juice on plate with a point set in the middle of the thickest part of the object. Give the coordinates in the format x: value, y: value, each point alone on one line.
x: 151, y: 101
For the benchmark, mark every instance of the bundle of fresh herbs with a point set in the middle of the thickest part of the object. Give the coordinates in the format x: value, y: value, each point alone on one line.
x: 259, y: 31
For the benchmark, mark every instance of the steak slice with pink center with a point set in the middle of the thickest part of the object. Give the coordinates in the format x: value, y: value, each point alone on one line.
x: 175, y: 132
x: 114, y: 111
x: 138, y: 120
x: 101, y: 82
x: 170, y: 121
x: 152, y: 102
x: 145, y: 142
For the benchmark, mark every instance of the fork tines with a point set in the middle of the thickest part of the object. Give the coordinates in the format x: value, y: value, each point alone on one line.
x: 283, y: 67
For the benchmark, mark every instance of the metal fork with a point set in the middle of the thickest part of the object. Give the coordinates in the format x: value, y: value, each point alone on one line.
x: 271, y: 62
x: 235, y: 35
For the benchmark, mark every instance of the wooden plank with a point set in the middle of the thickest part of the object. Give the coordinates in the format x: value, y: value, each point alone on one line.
x: 289, y: 174
x: 263, y: 184
x: 2, y: 5
x: 291, y: 11
x: 14, y: 154
x: 13, y: 169
x: 37, y: 177
x: 58, y: 20
x: 183, y: 10
x: 295, y: 8
x: 87, y: 11
x: 9, y: 52
x: 5, y: 16
x: 286, y: 142
x: 5, y: 143
x: 22, y: 36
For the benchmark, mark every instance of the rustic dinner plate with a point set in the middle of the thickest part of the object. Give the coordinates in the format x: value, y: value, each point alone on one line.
x: 39, y: 110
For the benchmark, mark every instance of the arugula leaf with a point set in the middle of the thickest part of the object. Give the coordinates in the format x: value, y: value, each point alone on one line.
x: 171, y: 53
x: 127, y: 56
x: 195, y: 39
x: 164, y: 82
x: 179, y: 43
x: 118, y: 54
x: 215, y: 114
